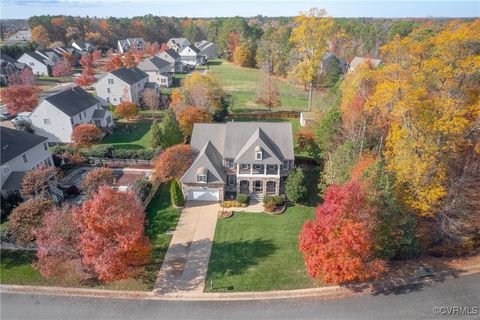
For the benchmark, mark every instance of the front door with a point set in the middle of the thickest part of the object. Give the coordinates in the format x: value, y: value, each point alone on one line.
x: 258, y: 186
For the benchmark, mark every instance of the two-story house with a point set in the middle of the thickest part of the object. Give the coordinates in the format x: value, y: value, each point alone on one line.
x: 117, y: 86
x: 253, y: 158
x: 41, y: 61
x: 21, y: 151
x: 57, y: 114
x: 178, y: 44
x: 128, y: 44
x: 191, y: 56
x: 174, y: 58
x: 83, y: 46
x: 157, y: 70
x: 208, y: 49
x: 8, y: 67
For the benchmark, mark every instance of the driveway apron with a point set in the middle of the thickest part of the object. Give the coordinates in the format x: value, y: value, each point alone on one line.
x: 186, y: 261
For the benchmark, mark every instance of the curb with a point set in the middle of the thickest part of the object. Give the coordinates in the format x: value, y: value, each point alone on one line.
x: 323, y: 292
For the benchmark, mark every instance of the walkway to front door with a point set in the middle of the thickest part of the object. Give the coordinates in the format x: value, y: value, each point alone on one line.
x: 186, y: 262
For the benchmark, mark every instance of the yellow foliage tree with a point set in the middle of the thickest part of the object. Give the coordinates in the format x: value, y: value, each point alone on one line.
x: 40, y: 35
x: 309, y: 37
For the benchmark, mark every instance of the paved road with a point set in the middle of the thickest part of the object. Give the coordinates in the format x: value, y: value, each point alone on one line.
x: 411, y: 303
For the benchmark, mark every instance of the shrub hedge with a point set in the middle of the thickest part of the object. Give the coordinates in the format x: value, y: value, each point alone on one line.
x: 242, y: 198
x: 176, y: 194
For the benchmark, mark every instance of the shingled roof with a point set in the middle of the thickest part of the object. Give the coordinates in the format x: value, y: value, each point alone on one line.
x: 72, y: 101
x: 172, y: 53
x: 15, y: 142
x: 130, y: 75
x: 154, y: 63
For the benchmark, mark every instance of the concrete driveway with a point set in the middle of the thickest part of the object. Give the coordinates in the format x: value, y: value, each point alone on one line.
x: 185, y: 265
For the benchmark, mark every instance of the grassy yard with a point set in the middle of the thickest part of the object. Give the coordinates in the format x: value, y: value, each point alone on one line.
x: 243, y: 84
x: 138, y: 138
x: 16, y: 268
x: 259, y: 252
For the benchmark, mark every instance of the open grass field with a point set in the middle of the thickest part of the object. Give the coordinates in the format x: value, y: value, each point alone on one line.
x: 138, y: 137
x: 243, y: 84
x: 259, y: 252
x: 16, y: 266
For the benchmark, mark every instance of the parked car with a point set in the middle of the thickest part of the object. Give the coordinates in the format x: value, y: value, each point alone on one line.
x: 5, y: 116
x: 22, y: 116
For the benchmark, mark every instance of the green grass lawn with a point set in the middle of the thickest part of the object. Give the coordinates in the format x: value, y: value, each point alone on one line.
x: 259, y: 252
x: 243, y: 85
x: 16, y: 266
x: 139, y: 138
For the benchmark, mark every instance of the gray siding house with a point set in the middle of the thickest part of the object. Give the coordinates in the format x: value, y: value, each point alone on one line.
x: 208, y: 49
x: 117, y: 86
x: 174, y: 58
x: 131, y: 44
x: 178, y: 44
x: 157, y: 70
x: 191, y: 56
x: 9, y: 66
x: 253, y: 158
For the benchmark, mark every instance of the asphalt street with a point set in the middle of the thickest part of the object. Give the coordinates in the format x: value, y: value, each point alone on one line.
x: 451, y: 299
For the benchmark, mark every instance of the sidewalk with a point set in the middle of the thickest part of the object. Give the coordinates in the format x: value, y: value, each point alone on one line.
x: 186, y: 261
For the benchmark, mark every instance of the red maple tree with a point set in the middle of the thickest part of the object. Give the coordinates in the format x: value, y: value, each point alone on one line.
x: 173, y: 162
x: 153, y: 49
x: 84, y: 135
x: 88, y: 77
x: 112, y: 241
x: 62, y: 68
x: 129, y: 60
x: 20, y: 97
x: 338, y: 245
x: 23, y: 77
x: 164, y: 47
x: 114, y: 63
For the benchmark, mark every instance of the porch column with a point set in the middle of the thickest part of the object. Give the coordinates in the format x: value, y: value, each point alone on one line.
x: 250, y: 185
x: 264, y: 189
x: 277, y: 187
x: 251, y: 169
x: 265, y: 169
x: 238, y: 169
x: 278, y: 170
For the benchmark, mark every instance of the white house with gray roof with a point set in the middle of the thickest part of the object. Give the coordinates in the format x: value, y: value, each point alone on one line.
x: 117, y: 86
x: 191, y: 56
x: 57, y: 114
x: 41, y: 61
x: 157, y: 70
x: 21, y: 151
x: 178, y: 44
x: 253, y: 158
x: 128, y: 44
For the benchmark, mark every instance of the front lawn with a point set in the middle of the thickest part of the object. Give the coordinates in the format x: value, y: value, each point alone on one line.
x: 259, y: 252
x: 137, y: 137
x: 16, y: 266
x: 243, y: 84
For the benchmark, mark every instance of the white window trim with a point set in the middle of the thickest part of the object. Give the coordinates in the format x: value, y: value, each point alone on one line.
x: 201, y: 178
x: 258, y: 155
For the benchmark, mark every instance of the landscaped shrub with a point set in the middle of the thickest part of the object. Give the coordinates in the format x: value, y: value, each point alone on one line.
x: 231, y: 204
x: 108, y: 152
x: 270, y: 206
x: 176, y: 194
x: 267, y: 199
x: 279, y: 200
x: 242, y: 198
x: 295, y: 187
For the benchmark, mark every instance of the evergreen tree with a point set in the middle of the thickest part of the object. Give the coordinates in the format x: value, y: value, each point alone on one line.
x: 157, y: 135
x: 172, y: 134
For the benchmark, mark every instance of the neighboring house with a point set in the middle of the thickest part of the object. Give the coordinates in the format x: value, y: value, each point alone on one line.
x: 157, y: 70
x: 178, y: 44
x: 117, y: 86
x: 131, y: 44
x: 357, y: 61
x: 20, y: 37
x: 41, y: 61
x: 174, y: 58
x: 253, y: 158
x: 331, y: 60
x: 57, y: 114
x: 9, y: 66
x: 191, y: 56
x: 208, y: 49
x: 21, y: 151
x: 83, y: 46
x: 77, y: 54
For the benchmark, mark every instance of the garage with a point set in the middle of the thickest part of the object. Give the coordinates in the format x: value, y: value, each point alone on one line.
x: 203, y: 194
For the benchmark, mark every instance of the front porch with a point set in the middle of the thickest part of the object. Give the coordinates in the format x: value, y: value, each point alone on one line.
x: 255, y: 187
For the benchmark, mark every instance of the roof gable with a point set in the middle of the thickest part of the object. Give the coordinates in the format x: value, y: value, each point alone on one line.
x: 15, y: 142
x: 129, y: 75
x: 154, y: 63
x: 270, y: 152
x: 209, y: 158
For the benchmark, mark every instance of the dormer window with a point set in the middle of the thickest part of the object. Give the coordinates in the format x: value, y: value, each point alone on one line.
x: 258, y: 153
x: 202, y: 175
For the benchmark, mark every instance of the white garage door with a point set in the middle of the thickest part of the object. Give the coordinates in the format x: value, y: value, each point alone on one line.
x: 203, y: 194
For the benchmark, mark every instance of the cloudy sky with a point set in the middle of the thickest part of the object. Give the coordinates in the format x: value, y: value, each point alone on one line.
x: 215, y: 8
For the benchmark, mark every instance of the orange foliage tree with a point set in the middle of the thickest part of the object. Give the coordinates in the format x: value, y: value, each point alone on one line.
x: 40, y: 35
x: 191, y: 115
x: 114, y: 63
x: 338, y: 245
x: 173, y: 162
x: 97, y: 178
x: 87, y: 78
x: 129, y: 60
x: 84, y: 135
x: 112, y: 239
x: 20, y: 97
x: 126, y: 110
x: 36, y: 182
